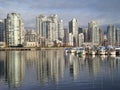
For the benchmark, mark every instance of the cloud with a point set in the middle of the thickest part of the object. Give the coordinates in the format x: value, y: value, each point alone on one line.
x: 103, y: 11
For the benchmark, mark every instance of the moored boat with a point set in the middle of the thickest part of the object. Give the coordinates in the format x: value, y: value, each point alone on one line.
x: 81, y: 50
x: 67, y: 50
x: 112, y: 52
x: 92, y: 52
x: 73, y: 50
x: 101, y: 50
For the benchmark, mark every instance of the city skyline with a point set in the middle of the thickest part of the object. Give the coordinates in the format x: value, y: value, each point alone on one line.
x: 104, y: 12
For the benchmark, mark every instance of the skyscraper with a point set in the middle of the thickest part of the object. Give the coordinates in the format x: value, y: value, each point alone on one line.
x: 1, y: 30
x: 101, y: 32
x: 111, y: 35
x: 93, y: 33
x: 73, y: 28
x: 71, y: 39
x: 66, y: 37
x: 47, y: 29
x: 85, y: 32
x: 60, y: 30
x: 81, y: 39
x: 54, y: 19
x: 41, y: 26
x: 118, y: 36
x: 14, y: 30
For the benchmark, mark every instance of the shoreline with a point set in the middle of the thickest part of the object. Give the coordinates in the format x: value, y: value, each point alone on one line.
x: 30, y: 48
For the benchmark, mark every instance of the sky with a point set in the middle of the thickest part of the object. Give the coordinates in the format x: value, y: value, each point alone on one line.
x: 105, y: 12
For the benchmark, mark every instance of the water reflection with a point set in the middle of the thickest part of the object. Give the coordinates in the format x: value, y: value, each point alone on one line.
x: 19, y: 68
x: 2, y: 66
x: 15, y: 68
x: 50, y: 66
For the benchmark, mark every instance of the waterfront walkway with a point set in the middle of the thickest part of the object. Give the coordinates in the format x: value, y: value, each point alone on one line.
x: 28, y: 49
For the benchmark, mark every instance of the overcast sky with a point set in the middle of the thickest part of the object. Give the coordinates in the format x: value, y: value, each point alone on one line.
x: 102, y: 11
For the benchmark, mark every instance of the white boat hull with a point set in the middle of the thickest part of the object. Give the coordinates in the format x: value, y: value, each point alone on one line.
x: 112, y: 53
x: 101, y: 52
x: 73, y: 51
x: 92, y: 53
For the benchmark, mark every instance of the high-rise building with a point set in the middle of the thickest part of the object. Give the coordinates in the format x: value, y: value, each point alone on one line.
x: 71, y: 39
x: 47, y: 29
x: 54, y: 19
x: 101, y: 32
x: 14, y: 30
x: 1, y: 30
x: 118, y: 36
x: 93, y: 33
x: 81, y: 39
x: 66, y: 37
x: 73, y: 28
x: 85, y: 32
x: 41, y: 27
x: 80, y: 30
x: 111, y: 35
x: 60, y: 30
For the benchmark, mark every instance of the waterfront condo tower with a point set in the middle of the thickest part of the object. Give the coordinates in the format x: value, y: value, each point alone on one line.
x: 111, y: 35
x: 2, y: 31
x: 14, y: 30
x: 93, y: 33
x: 118, y: 36
x: 49, y: 29
x: 73, y: 29
x: 60, y: 30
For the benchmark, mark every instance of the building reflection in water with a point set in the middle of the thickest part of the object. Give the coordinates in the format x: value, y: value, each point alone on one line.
x: 15, y: 68
x: 91, y: 65
x: 50, y: 66
x: 2, y: 66
x: 53, y: 66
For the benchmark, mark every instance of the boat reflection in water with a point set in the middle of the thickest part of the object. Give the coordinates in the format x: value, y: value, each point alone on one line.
x: 52, y: 69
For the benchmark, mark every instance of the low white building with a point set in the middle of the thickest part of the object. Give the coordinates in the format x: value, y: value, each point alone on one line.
x: 31, y: 44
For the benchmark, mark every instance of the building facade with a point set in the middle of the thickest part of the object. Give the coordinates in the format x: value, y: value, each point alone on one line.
x: 71, y: 39
x: 30, y: 39
x: 60, y: 30
x: 14, y: 30
x: 118, y: 36
x: 93, y: 33
x: 85, y: 32
x: 2, y: 31
x: 73, y: 28
x: 66, y: 37
x: 49, y: 29
x: 81, y: 39
x: 101, y: 32
x: 111, y: 35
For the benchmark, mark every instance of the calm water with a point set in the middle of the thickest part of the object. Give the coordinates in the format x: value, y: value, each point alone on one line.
x: 50, y: 70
